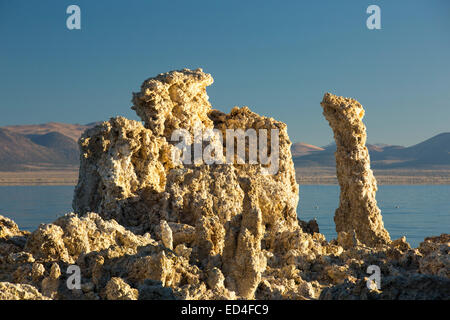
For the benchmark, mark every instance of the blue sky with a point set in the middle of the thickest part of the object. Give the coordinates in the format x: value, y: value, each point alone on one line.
x: 277, y: 57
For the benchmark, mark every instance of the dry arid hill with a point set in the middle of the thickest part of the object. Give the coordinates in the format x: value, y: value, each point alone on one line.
x: 427, y: 162
x: 433, y: 153
x: 302, y: 149
x: 31, y: 154
x: 18, y: 151
x: 38, y: 147
x: 72, y: 131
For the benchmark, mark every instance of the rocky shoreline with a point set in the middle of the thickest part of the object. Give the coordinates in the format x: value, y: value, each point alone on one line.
x: 146, y: 227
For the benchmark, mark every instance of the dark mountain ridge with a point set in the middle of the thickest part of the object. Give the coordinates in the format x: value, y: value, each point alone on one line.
x: 31, y: 147
x: 432, y: 153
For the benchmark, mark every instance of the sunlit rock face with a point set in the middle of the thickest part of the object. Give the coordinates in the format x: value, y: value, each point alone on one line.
x: 358, y: 212
x: 127, y: 174
x: 148, y: 227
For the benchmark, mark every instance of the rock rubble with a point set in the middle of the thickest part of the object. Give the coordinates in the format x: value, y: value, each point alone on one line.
x: 148, y: 227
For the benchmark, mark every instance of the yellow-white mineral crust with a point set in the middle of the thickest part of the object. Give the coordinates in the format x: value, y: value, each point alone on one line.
x: 146, y: 227
x: 358, y: 211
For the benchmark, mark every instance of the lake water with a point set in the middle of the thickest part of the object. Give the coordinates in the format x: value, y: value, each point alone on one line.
x: 415, y: 211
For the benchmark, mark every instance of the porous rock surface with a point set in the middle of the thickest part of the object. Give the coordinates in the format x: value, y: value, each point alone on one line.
x: 358, y: 212
x: 146, y: 227
x: 11, y: 291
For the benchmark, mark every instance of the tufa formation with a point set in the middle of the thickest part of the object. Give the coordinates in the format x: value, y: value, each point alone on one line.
x: 146, y: 227
x: 358, y: 212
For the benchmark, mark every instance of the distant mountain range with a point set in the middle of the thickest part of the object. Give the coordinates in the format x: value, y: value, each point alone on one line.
x: 432, y: 153
x: 72, y: 131
x: 30, y: 147
x: 300, y: 149
x: 54, y: 145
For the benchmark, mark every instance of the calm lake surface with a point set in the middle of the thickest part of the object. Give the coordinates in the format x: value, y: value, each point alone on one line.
x: 415, y: 211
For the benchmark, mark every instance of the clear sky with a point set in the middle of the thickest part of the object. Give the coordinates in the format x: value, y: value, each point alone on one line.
x: 277, y: 57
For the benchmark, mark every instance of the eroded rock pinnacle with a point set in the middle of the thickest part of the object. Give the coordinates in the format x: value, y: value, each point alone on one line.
x: 358, y: 211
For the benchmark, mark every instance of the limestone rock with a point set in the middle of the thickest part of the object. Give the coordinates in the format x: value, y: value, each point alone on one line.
x: 215, y: 278
x: 436, y: 256
x: 402, y: 287
x: 170, y: 230
x: 50, y: 284
x: 119, y: 160
x: 11, y: 291
x: 347, y: 240
x: 70, y: 236
x: 37, y: 271
x: 358, y: 210
x: 11, y: 238
x: 174, y: 100
x: 117, y: 289
x: 310, y: 227
x: 222, y: 211
x: 153, y: 290
x: 9, y: 229
x: 166, y: 234
x: 48, y: 242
